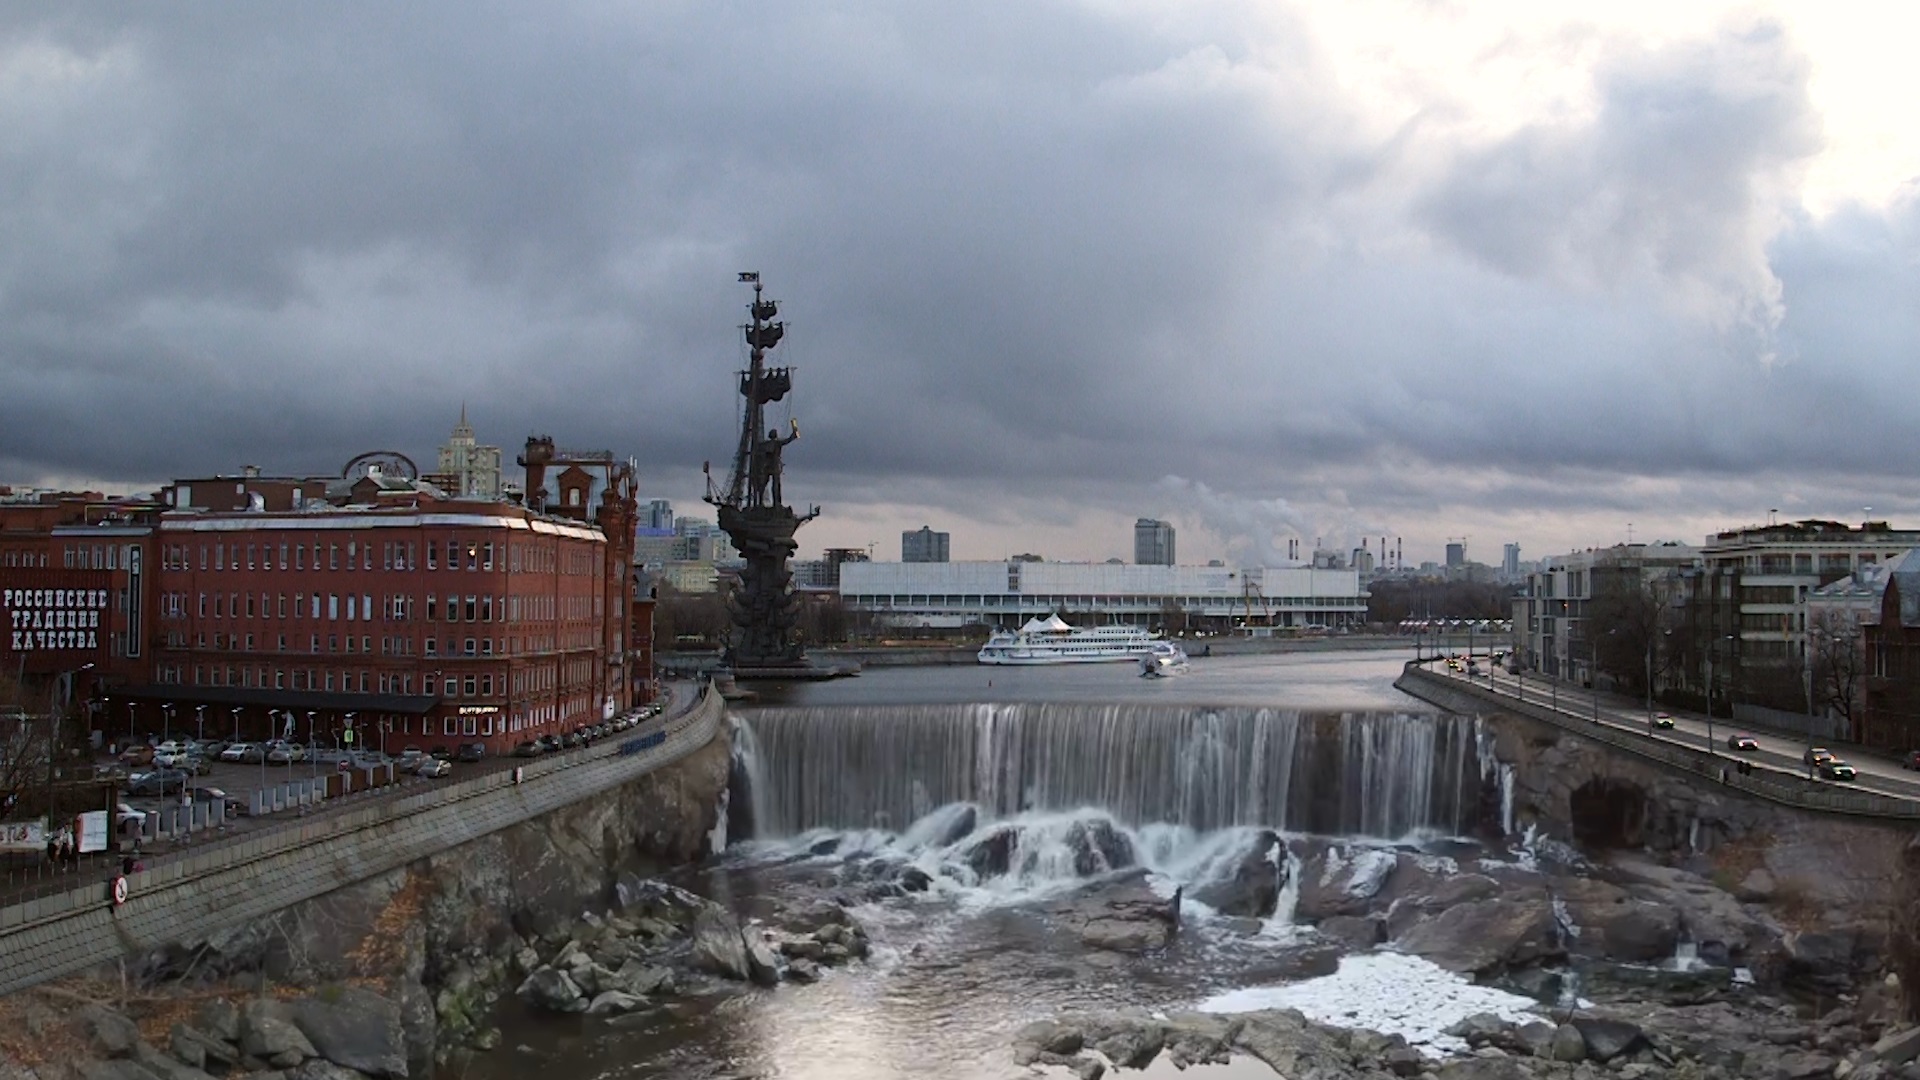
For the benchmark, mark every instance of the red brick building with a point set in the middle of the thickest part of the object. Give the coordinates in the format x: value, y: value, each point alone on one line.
x: 1891, y: 716
x: 310, y: 610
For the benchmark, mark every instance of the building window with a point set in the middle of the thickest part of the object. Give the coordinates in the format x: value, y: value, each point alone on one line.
x: 433, y: 556
x: 431, y: 643
x: 450, y: 726
x: 473, y: 607
x: 451, y: 688
x: 333, y: 606
x: 329, y: 680
x: 470, y: 647
x: 453, y: 554
x: 431, y: 608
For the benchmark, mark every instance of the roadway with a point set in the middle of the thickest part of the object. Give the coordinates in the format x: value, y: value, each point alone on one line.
x: 1694, y: 731
x: 24, y: 875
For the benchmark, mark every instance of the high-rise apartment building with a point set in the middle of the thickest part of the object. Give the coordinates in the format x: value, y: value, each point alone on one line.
x: 468, y: 470
x: 1510, y: 562
x: 1456, y: 555
x: 1152, y: 543
x: 657, y: 514
x: 924, y: 545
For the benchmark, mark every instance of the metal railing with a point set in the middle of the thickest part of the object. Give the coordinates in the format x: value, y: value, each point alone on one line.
x: 1764, y: 783
x: 338, y: 815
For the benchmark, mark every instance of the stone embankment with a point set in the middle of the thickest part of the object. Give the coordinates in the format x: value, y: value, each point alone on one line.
x: 431, y: 930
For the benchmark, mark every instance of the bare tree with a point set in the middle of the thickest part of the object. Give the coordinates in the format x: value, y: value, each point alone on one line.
x: 1630, y: 621
x: 25, y: 745
x: 1839, y: 659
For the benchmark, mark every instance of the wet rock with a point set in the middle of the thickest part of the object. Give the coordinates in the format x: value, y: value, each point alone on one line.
x: 1758, y: 887
x: 824, y: 847
x: 1343, y: 881
x: 1608, y: 1039
x: 322, y: 1069
x: 1293, y: 965
x: 1803, y: 1065
x: 1485, y: 935
x: 1121, y: 916
x: 1568, y: 1044
x: 1046, y: 1036
x: 763, y: 963
x: 913, y: 879
x: 1253, y: 889
x: 164, y: 1066
x: 992, y: 854
x: 1450, y: 892
x: 614, y: 1001
x: 1098, y: 847
x: 717, y: 945
x: 1642, y: 933
x: 553, y: 990
x: 1404, y: 1061
x: 803, y: 971
x: 639, y: 977
x: 1356, y: 932
x: 806, y: 918
x: 1484, y: 1069
x: 356, y: 1028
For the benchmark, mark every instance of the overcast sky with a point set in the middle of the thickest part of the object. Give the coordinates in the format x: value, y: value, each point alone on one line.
x: 1517, y: 272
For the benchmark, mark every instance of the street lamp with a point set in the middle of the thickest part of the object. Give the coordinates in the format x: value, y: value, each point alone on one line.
x: 200, y: 721
x: 1711, y: 647
x: 166, y: 722
x: 236, y: 722
x: 312, y: 746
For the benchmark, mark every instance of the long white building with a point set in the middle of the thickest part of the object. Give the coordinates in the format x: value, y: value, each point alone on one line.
x: 1008, y: 593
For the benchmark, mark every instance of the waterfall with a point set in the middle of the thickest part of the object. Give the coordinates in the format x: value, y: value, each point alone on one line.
x: 1386, y: 775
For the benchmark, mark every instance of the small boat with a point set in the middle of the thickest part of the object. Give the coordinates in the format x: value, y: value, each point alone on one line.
x: 1166, y: 659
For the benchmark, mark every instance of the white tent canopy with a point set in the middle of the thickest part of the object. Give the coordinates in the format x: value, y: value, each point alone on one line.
x: 1052, y: 624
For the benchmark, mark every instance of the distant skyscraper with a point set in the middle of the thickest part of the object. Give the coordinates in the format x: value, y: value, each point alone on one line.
x: 1152, y: 543
x: 657, y: 514
x: 1510, y: 561
x: 1456, y: 556
x: 924, y: 545
x: 472, y: 471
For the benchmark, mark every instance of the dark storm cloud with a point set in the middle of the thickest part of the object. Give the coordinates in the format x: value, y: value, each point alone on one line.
x: 1034, y: 249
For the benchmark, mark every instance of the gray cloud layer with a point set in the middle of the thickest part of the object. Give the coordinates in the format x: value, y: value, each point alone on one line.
x: 1035, y: 250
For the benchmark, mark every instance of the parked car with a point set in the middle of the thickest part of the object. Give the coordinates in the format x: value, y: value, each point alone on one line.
x: 471, y: 751
x: 410, y: 759
x: 213, y: 748
x: 527, y: 749
x: 572, y: 740
x: 549, y: 743
x: 137, y: 755
x: 171, y: 746
x: 1817, y: 756
x: 197, y: 765
x: 435, y: 769
x: 1835, y: 769
x: 248, y: 753
x: 157, y: 782
x: 235, y: 806
x: 126, y: 819
x: 1742, y: 742
x: 441, y: 753
x: 285, y: 753
x: 1662, y: 722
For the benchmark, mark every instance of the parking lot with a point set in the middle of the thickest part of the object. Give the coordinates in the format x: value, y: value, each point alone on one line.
x: 27, y: 875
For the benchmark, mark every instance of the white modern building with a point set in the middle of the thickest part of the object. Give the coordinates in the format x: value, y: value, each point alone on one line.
x: 1008, y: 593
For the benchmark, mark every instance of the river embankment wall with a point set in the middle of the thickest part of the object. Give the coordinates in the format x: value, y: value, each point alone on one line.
x: 202, y: 895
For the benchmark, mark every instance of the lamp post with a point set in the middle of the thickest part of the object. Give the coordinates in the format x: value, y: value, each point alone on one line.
x: 236, y: 722
x: 53, y: 712
x: 200, y: 721
x: 1713, y: 646
x: 312, y: 746
x: 166, y: 722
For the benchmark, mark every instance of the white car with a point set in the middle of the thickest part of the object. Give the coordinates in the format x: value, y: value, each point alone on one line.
x: 170, y: 759
x: 239, y: 752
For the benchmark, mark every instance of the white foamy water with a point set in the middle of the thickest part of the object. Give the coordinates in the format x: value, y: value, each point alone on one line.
x: 1385, y: 992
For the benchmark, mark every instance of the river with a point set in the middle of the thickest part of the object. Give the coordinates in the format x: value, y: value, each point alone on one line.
x: 893, y: 768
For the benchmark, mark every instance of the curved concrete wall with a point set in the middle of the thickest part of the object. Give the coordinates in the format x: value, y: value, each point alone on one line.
x: 186, y: 897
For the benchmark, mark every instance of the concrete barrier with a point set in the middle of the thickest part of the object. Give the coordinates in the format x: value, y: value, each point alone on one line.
x: 188, y: 895
x: 1459, y: 696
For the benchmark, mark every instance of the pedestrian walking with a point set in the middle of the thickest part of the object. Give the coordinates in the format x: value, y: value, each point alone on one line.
x: 53, y: 852
x: 73, y: 855
x: 66, y: 848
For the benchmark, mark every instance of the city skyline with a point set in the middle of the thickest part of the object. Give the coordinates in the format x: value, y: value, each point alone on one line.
x: 1519, y: 273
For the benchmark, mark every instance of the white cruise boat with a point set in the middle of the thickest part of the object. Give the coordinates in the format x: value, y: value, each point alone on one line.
x: 1052, y: 641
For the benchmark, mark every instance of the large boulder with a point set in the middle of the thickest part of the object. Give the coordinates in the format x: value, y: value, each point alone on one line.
x: 1822, y: 961
x: 1343, y: 881
x: 1124, y: 915
x: 992, y: 855
x: 718, y: 947
x: 1448, y: 892
x: 1607, y: 1039
x: 354, y: 1027
x: 1485, y: 936
x: 1253, y: 889
x: 554, y: 990
x: 108, y: 1033
x: 1642, y: 933
x: 763, y: 963
x: 1098, y: 847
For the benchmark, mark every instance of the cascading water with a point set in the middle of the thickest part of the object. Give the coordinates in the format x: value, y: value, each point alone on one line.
x: 1384, y: 775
